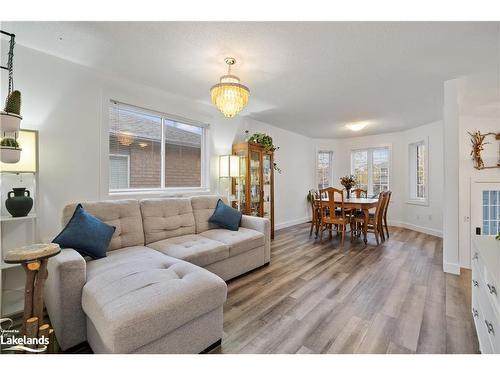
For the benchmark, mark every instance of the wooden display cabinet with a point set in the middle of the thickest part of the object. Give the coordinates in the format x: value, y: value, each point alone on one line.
x: 254, y: 189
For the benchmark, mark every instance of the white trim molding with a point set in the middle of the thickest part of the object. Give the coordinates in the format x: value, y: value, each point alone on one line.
x: 291, y: 223
x: 452, y: 268
x: 416, y: 228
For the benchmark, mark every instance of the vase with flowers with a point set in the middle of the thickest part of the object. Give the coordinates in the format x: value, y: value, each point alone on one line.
x: 348, y: 182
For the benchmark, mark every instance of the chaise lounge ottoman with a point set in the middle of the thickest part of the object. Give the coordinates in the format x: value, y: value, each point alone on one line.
x: 162, y: 305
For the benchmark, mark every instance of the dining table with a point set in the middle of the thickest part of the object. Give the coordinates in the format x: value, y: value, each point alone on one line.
x: 363, y: 204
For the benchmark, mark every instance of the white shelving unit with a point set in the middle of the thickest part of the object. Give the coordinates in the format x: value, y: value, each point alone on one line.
x: 16, y: 232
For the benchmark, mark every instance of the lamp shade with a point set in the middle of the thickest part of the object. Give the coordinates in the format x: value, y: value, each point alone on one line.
x: 229, y: 166
x: 28, y: 163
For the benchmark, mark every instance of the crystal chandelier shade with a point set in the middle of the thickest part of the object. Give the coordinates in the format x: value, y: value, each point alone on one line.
x: 229, y: 95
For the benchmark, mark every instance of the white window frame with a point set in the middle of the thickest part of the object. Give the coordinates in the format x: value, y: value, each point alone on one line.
x: 330, y: 163
x: 205, y: 178
x: 369, y: 161
x: 128, y: 165
x: 412, y: 172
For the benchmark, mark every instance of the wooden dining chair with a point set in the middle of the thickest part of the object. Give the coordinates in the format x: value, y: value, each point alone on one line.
x: 386, y: 208
x: 374, y: 221
x: 315, y: 216
x: 359, y: 193
x: 333, y: 212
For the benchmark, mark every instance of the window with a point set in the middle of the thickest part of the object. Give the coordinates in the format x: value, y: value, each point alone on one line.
x: 491, y: 212
x: 371, y: 168
x: 417, y: 167
x: 324, y: 169
x: 152, y: 151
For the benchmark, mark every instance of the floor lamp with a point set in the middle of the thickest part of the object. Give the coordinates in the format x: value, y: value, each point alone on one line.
x: 229, y: 168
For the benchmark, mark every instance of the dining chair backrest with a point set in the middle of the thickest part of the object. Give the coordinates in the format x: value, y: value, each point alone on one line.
x: 313, y: 196
x: 359, y: 193
x: 386, y: 206
x: 379, y: 210
x: 335, y: 201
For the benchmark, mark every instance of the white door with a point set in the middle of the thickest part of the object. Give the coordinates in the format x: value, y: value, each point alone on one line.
x: 485, y: 209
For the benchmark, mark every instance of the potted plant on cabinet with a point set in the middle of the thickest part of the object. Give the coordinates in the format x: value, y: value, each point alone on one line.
x: 10, y: 118
x: 9, y: 150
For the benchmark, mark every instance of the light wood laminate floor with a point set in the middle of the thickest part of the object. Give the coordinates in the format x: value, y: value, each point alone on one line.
x: 321, y: 298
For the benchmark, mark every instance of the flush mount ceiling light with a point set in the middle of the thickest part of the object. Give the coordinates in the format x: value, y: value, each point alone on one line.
x: 125, y: 139
x: 229, y: 95
x: 356, y: 126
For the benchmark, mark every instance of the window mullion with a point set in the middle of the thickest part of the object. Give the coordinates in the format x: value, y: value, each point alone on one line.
x: 162, y: 153
x: 370, y: 171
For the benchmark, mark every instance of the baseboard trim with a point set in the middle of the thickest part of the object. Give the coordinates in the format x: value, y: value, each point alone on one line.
x: 430, y: 231
x: 453, y: 268
x: 291, y: 223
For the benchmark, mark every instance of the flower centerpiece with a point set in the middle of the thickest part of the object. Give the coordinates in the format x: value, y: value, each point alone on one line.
x: 348, y: 182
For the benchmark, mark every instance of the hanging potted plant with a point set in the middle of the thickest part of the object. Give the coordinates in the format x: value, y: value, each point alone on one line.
x: 9, y: 150
x: 10, y: 118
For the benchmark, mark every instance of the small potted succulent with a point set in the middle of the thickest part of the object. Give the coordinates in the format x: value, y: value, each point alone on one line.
x: 10, y: 118
x: 9, y: 150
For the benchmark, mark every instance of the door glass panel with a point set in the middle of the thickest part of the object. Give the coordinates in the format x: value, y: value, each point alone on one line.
x: 266, y: 170
x: 255, y: 183
x: 491, y: 212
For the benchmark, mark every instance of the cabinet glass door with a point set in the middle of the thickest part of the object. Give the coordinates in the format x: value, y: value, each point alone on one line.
x: 255, y: 183
x: 266, y: 173
x: 240, y: 183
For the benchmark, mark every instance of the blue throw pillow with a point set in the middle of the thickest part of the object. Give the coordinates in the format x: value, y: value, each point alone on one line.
x: 86, y: 234
x: 225, y: 216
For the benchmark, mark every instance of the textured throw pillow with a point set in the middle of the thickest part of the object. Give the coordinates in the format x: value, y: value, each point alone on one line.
x: 225, y: 216
x: 86, y: 234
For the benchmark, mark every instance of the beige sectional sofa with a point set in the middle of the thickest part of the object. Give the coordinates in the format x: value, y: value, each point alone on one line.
x: 161, y: 288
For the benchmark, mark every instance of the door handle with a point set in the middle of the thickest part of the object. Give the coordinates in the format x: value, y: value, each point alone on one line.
x: 492, y: 289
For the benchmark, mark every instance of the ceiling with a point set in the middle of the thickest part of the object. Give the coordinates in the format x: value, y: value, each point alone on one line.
x: 308, y: 77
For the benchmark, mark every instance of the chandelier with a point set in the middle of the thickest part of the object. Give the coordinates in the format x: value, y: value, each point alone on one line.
x: 229, y: 95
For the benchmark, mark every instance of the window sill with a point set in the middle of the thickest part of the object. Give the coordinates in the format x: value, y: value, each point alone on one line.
x: 158, y: 192
x: 418, y: 202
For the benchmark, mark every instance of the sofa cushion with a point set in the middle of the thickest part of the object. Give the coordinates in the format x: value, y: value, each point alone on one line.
x: 86, y: 234
x: 238, y: 241
x: 134, y: 304
x: 166, y: 217
x: 193, y: 248
x: 225, y: 216
x: 124, y: 215
x: 123, y: 257
x: 203, y: 208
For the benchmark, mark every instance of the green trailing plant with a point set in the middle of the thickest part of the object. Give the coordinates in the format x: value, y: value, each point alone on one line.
x: 13, y: 103
x: 9, y: 142
x: 498, y: 236
x: 267, y: 142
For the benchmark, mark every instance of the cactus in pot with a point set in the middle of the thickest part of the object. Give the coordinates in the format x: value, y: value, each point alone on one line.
x: 10, y: 152
x: 13, y: 103
x: 9, y: 142
x: 10, y: 118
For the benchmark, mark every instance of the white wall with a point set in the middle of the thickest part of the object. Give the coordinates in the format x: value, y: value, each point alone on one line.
x: 427, y: 219
x: 471, y: 103
x: 64, y: 101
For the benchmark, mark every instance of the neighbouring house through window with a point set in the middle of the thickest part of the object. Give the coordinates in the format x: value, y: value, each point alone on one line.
x: 371, y: 168
x: 152, y: 151
x: 417, y: 167
x: 324, y: 169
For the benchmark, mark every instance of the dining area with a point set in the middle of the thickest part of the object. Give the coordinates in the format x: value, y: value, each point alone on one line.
x: 349, y: 210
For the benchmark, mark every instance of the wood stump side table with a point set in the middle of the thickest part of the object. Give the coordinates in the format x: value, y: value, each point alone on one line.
x: 34, y: 259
